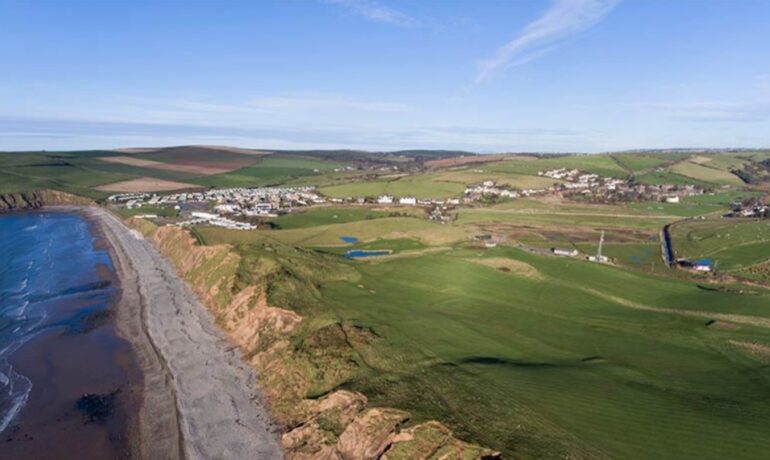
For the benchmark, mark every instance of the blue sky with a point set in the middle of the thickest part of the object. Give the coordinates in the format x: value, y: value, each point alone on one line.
x: 540, y: 75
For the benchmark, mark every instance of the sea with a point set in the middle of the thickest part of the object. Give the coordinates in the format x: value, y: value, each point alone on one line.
x: 59, y: 350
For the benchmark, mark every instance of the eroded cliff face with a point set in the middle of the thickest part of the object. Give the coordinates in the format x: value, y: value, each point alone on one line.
x: 36, y: 199
x: 20, y: 201
x: 297, y: 356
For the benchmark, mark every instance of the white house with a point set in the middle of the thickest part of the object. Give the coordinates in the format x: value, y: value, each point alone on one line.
x: 410, y: 200
x: 672, y: 199
x: 385, y: 199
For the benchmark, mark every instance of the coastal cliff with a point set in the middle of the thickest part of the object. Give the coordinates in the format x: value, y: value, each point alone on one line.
x: 302, y: 355
x: 36, y: 199
x: 20, y: 201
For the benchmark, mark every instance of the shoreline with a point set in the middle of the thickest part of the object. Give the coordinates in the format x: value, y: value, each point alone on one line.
x: 74, y: 358
x: 199, y: 399
x: 154, y: 432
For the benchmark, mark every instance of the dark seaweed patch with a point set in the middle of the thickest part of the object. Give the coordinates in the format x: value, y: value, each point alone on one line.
x: 97, y: 408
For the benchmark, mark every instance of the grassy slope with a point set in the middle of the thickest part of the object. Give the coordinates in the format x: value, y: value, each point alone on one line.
x: 72, y: 172
x: 270, y: 170
x: 705, y: 173
x: 599, y: 164
x: 637, y: 162
x: 545, y: 367
x: 422, y: 186
x: 479, y: 174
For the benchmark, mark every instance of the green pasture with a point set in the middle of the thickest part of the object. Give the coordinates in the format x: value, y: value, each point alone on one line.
x: 732, y: 242
x: 479, y: 174
x: 428, y: 232
x: 638, y: 162
x: 599, y: 164
x: 270, y: 170
x: 560, y: 358
x: 571, y: 219
x: 422, y: 186
x: 667, y: 177
x: 705, y: 173
x: 328, y: 215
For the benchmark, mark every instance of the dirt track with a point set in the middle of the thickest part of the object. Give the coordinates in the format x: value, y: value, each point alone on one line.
x: 217, y: 410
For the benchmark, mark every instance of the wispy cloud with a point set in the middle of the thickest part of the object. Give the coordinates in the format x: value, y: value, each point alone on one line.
x: 561, y: 20
x: 56, y: 133
x: 376, y: 12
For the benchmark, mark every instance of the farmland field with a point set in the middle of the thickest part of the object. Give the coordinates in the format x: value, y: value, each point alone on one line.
x: 634, y: 162
x: 420, y: 186
x: 705, y: 173
x: 270, y: 170
x: 331, y: 215
x: 733, y: 243
x: 478, y: 175
x: 599, y: 164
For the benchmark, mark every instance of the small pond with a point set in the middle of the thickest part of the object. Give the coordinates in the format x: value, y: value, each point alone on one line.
x: 349, y: 239
x: 361, y: 254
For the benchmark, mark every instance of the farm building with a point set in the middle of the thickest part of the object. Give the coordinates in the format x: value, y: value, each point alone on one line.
x: 565, y: 252
x: 703, y: 265
x: 385, y: 199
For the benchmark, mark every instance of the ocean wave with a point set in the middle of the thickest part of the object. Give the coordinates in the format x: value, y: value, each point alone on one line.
x: 30, y: 228
x: 14, y: 393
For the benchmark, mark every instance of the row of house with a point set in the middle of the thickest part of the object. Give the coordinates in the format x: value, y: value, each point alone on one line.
x: 207, y: 218
x: 247, y: 202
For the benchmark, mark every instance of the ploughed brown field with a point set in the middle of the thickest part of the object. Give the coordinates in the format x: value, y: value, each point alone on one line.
x: 145, y: 184
x: 201, y: 169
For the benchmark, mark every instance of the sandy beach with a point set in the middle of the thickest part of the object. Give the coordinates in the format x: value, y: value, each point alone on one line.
x: 200, y: 400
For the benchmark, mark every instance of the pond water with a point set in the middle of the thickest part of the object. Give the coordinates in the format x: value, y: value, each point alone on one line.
x: 349, y: 239
x: 361, y: 254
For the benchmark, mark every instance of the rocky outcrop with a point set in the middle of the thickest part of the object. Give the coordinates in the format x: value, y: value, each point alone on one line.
x: 36, y: 199
x: 20, y: 201
x: 370, y: 433
x: 297, y: 357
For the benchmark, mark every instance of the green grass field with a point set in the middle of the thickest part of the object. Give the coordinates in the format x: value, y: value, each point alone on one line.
x: 705, y: 173
x: 477, y: 175
x: 270, y: 170
x: 600, y: 164
x: 325, y: 216
x: 733, y: 243
x: 423, y: 186
x: 560, y: 357
x: 430, y: 233
x: 637, y: 162
x: 562, y: 218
